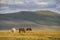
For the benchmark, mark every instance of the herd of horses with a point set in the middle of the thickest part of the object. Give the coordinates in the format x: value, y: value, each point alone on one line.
x: 21, y: 30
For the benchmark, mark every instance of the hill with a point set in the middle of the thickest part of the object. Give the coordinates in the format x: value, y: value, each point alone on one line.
x: 36, y: 20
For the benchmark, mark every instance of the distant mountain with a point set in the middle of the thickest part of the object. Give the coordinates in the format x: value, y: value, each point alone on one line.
x: 36, y: 20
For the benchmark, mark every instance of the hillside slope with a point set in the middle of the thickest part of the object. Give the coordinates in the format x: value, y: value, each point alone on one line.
x: 37, y: 19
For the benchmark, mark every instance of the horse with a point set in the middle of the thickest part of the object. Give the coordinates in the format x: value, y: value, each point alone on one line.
x: 21, y: 30
x: 28, y: 29
x: 13, y: 30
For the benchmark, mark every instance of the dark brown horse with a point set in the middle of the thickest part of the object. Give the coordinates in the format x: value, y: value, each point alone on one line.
x: 28, y: 29
x: 21, y: 30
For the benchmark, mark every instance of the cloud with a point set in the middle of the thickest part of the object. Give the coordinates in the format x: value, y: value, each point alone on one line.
x: 21, y: 2
x: 10, y: 10
x: 4, y: 8
x: 41, y: 3
x: 19, y: 5
x: 12, y: 2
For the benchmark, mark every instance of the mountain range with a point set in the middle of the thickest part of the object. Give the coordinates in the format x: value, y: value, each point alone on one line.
x: 42, y: 20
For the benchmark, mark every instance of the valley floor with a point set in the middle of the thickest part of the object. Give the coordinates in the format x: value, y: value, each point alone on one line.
x: 30, y: 35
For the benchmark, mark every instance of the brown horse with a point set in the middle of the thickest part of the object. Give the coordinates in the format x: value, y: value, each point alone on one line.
x: 28, y: 29
x: 21, y: 30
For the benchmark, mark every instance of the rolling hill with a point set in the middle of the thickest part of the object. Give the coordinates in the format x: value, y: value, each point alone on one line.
x: 37, y: 20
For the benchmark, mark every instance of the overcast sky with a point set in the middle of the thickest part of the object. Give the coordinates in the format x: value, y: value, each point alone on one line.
x: 8, y: 6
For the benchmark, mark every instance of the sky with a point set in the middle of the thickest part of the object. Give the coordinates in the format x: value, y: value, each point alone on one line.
x: 9, y: 6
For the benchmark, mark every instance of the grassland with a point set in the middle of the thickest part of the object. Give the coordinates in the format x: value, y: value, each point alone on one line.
x: 30, y: 35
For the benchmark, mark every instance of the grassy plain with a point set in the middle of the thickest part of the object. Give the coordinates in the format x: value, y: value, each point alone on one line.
x: 30, y: 35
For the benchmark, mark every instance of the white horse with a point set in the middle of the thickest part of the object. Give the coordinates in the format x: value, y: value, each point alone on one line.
x: 13, y: 30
